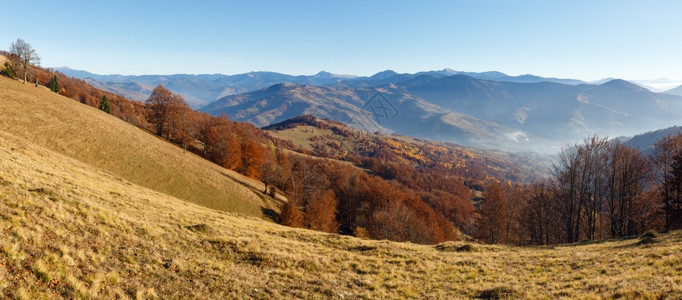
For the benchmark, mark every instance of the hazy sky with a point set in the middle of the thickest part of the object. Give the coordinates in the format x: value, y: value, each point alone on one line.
x: 587, y: 40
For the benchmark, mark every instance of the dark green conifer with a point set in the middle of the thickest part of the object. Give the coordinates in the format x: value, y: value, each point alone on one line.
x: 54, y: 84
x: 104, y: 105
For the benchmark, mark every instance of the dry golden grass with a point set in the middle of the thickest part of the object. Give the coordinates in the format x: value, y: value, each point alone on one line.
x: 301, y: 135
x: 98, y: 139
x: 70, y: 230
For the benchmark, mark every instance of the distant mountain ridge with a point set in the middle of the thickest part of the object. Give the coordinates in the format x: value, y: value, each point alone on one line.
x: 198, y: 90
x: 202, y: 89
x: 416, y: 117
x: 462, y: 109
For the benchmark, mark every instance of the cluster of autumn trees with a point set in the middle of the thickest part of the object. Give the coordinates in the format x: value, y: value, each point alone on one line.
x: 441, y: 175
x: 598, y: 189
x: 233, y: 145
x: 334, y: 197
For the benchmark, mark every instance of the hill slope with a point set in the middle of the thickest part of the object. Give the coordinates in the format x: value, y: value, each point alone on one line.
x: 103, y: 141
x: 469, y: 164
x: 74, y: 231
x: 675, y: 91
x: 645, y: 142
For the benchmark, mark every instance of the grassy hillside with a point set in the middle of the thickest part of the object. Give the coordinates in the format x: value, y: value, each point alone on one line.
x: 336, y: 140
x: 301, y: 135
x: 71, y: 230
x: 95, y: 138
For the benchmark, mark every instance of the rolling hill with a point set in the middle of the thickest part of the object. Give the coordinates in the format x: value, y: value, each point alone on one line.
x: 74, y: 231
x: 675, y: 91
x: 67, y: 127
x: 325, y: 138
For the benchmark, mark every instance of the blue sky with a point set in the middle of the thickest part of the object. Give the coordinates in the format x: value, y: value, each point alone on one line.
x: 587, y: 40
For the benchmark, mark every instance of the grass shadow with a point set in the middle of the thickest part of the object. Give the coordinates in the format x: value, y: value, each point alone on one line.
x: 270, y: 214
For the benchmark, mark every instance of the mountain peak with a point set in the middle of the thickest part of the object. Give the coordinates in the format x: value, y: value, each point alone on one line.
x: 620, y: 83
x: 324, y: 74
x: 384, y: 74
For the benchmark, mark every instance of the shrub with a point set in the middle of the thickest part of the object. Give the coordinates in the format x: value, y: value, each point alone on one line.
x: 8, y: 71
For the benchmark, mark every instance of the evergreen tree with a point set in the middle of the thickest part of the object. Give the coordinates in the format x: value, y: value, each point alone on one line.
x: 54, y: 84
x: 104, y: 105
x: 9, y: 71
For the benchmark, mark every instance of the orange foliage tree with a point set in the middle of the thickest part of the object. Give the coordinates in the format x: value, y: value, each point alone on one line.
x: 320, y: 212
x: 252, y: 160
x: 166, y: 110
x: 398, y: 222
x: 291, y: 216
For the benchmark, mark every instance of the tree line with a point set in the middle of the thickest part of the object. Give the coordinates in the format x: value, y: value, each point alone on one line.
x: 598, y: 189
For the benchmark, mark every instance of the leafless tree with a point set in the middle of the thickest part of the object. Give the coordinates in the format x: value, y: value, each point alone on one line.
x: 581, y: 187
x: 667, y: 151
x: 628, y: 174
x: 23, y: 56
x: 540, y: 215
x: 494, y: 215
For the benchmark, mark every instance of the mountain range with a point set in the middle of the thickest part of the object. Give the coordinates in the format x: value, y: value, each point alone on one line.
x: 488, y: 109
x: 203, y: 89
x: 198, y: 90
x: 490, y: 114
